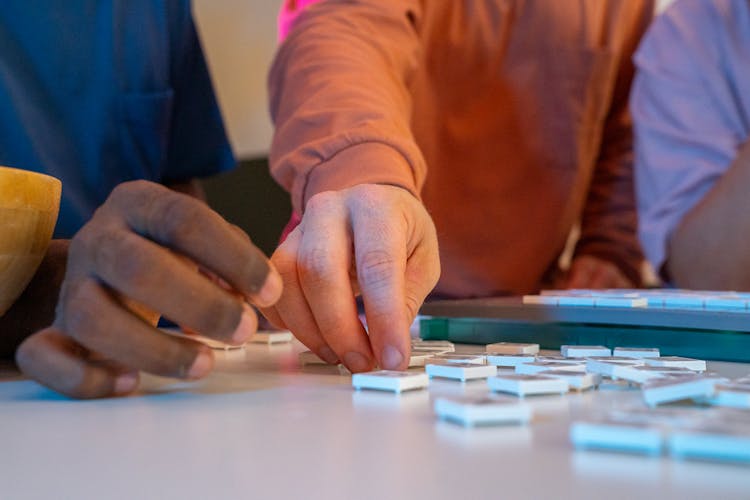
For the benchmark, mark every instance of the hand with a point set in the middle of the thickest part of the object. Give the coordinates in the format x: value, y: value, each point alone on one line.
x: 140, y: 252
x: 588, y: 271
x: 374, y: 239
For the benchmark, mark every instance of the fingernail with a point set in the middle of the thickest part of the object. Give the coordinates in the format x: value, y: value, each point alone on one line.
x: 392, y: 358
x: 126, y: 383
x: 271, y: 290
x: 247, y: 327
x: 356, y: 362
x: 327, y: 355
x: 201, y: 366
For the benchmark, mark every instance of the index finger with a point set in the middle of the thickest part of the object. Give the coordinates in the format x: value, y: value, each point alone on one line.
x: 190, y: 227
x: 380, y: 247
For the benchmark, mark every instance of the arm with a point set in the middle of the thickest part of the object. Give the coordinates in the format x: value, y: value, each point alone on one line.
x: 689, y: 132
x: 338, y: 93
x: 709, y: 249
x: 608, y: 253
x: 343, y: 148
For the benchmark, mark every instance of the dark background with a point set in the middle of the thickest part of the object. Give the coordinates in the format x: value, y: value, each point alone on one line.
x: 248, y: 197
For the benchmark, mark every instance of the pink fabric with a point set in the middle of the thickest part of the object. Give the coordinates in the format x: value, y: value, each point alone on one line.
x: 288, y: 13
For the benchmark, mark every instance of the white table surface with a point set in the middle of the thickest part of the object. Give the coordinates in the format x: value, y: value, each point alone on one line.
x: 261, y: 427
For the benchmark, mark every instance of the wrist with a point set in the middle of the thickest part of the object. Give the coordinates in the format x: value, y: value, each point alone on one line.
x: 367, y: 163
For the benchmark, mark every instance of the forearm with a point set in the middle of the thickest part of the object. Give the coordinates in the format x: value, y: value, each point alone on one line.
x: 340, y: 102
x: 710, y: 249
x: 609, y: 221
x: 35, y: 308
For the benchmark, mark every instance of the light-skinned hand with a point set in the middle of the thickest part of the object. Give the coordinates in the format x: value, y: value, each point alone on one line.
x: 592, y: 272
x: 371, y: 239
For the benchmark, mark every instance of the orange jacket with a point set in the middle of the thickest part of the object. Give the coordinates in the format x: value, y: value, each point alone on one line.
x: 518, y: 109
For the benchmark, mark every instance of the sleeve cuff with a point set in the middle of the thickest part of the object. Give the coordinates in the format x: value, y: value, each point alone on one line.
x: 368, y: 163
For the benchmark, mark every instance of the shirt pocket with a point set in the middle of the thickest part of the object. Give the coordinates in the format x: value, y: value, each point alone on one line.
x: 145, y: 125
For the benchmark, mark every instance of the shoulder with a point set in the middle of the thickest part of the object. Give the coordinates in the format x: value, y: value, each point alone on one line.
x: 698, y: 25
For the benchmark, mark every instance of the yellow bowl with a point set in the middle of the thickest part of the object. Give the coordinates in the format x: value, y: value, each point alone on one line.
x: 29, y: 204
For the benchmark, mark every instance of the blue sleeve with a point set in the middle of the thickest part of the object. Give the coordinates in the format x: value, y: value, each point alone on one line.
x: 198, y: 146
x: 688, y: 121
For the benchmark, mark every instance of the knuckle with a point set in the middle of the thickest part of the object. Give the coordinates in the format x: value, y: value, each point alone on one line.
x: 125, y: 190
x: 284, y: 258
x: 286, y: 265
x: 371, y: 200
x: 128, y: 193
x: 366, y: 193
x: 376, y: 268
x: 119, y: 257
x: 79, y: 245
x: 85, y: 239
x: 177, y: 218
x: 120, y: 192
x: 80, y: 315
x: 315, y: 265
x: 288, y: 274
x: 322, y: 202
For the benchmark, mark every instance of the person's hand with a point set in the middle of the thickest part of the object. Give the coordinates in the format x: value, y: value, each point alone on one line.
x: 588, y: 271
x: 377, y: 240
x: 139, y: 254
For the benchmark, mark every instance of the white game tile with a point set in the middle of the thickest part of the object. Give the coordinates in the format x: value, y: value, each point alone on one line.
x: 641, y: 374
x: 607, y: 434
x: 673, y: 389
x: 527, y: 385
x: 714, y: 441
x: 512, y: 348
x: 484, y: 410
x: 388, y: 380
x: 697, y: 365
x: 460, y: 371
x: 474, y: 359
x: 576, y: 381
x: 511, y: 360
x: 608, y: 366
x: 272, y: 337
x: 543, y: 366
x: 637, y: 352
x: 584, y: 351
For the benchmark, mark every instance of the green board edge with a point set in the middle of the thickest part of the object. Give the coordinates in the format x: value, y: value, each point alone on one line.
x: 713, y: 345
